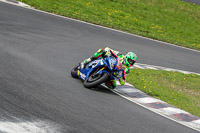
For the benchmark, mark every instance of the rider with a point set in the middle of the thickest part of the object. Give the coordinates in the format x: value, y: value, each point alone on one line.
x: 127, y: 61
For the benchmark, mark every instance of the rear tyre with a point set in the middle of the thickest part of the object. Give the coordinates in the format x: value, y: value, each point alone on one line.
x: 74, y: 72
x: 95, y: 81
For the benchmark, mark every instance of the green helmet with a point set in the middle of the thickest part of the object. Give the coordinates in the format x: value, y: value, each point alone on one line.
x: 130, y: 59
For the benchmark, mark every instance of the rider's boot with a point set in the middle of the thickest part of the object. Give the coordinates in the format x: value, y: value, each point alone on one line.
x: 111, y: 84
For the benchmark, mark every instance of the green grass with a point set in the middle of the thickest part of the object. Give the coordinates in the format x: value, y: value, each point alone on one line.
x: 171, y: 21
x: 178, y: 89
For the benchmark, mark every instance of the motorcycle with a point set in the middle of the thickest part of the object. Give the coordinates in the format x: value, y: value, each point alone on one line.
x: 98, y: 71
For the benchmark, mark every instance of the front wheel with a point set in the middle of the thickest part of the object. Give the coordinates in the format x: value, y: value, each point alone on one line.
x: 95, y: 80
x: 74, y: 72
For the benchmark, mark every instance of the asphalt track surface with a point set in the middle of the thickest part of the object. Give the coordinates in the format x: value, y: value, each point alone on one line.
x: 37, y: 52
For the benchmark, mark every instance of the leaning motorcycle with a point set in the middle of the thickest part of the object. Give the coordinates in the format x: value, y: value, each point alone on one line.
x: 98, y: 71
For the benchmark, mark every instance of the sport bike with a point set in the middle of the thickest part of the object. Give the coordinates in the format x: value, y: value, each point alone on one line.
x: 98, y: 71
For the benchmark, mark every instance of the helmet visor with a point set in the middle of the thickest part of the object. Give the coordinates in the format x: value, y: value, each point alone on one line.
x: 131, y: 61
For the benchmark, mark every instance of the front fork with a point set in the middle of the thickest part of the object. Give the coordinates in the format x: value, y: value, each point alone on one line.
x: 102, y: 70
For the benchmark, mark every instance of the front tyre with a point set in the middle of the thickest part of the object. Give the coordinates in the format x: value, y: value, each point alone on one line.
x: 74, y: 72
x: 95, y: 80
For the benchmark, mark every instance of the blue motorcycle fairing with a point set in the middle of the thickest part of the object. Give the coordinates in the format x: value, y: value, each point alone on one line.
x: 84, y: 73
x: 110, y: 62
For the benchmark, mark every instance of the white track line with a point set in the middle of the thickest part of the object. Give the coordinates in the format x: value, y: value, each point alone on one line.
x: 171, y: 111
x: 146, y: 66
x: 167, y: 112
x: 146, y: 100
x: 128, y: 90
x: 196, y: 122
x: 187, y: 124
x: 17, y: 4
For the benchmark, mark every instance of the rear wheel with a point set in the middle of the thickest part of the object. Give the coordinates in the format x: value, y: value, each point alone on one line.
x: 95, y: 79
x: 74, y: 72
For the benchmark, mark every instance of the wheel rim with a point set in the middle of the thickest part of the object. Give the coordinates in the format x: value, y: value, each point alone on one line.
x: 94, y: 77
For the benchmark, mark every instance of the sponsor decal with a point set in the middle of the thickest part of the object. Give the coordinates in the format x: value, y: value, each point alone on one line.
x: 83, y: 76
x: 95, y: 63
x: 112, y: 62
